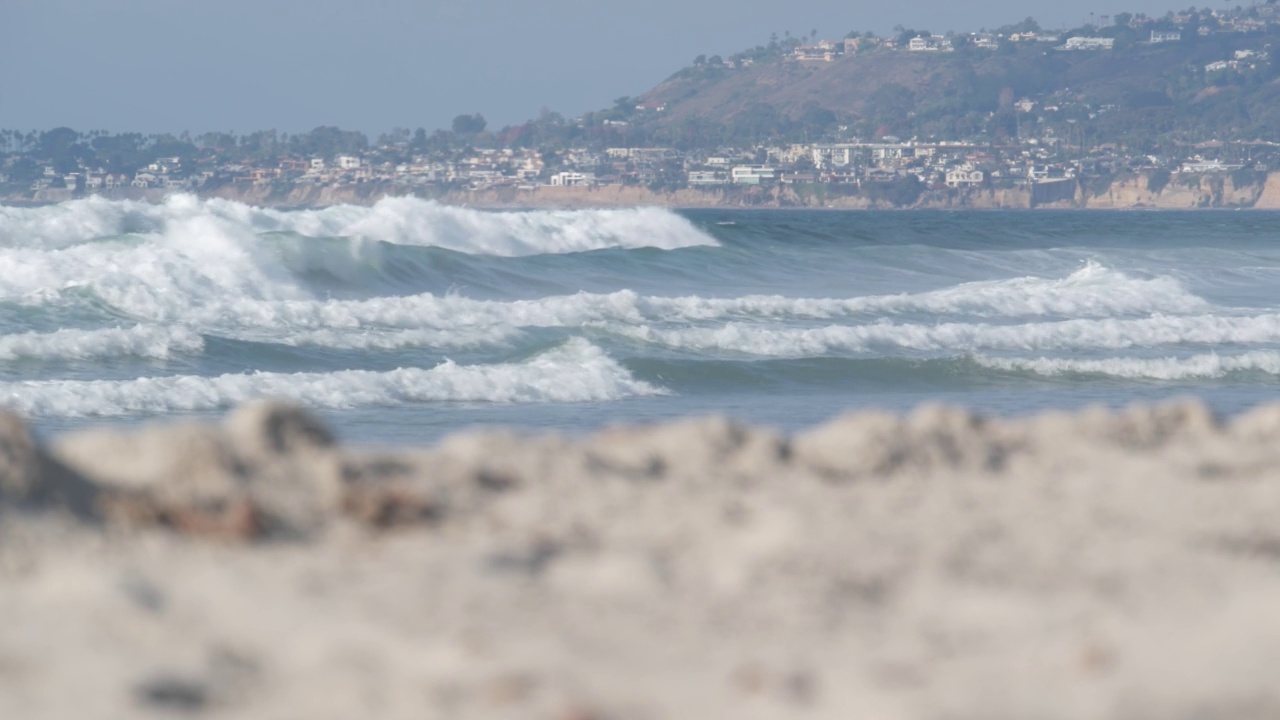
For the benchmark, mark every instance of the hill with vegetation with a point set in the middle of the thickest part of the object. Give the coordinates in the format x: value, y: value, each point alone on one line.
x: 1138, y: 94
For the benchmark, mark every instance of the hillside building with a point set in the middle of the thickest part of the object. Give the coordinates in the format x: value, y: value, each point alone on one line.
x: 753, y: 174
x: 1089, y: 43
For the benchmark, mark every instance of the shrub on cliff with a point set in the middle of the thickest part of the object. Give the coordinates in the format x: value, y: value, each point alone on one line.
x: 1100, y: 185
x: 900, y: 192
x: 1158, y: 180
x: 1247, y: 178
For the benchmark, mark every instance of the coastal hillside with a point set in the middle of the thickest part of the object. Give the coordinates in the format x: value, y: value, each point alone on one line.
x: 1218, y: 83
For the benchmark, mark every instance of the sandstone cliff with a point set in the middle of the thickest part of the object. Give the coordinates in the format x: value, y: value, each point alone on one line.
x: 1122, y: 193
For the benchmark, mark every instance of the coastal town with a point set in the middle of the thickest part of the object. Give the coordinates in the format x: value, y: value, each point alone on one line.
x: 1031, y: 140
x: 954, y: 165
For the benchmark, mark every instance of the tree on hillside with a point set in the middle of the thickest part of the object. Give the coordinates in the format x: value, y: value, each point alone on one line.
x: 906, y: 35
x: 816, y: 120
x: 469, y: 124
x: 328, y: 141
x: 65, y: 149
x: 759, y: 121
x: 397, y: 136
x: 24, y: 170
x: 419, y: 142
x: 1027, y: 25
x: 123, y: 153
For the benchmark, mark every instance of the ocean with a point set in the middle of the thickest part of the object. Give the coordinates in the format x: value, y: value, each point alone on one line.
x: 408, y: 320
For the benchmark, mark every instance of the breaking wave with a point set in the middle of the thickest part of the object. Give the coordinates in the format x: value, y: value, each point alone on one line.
x: 1060, y: 335
x: 161, y: 292
x: 402, y: 221
x: 574, y: 372
x: 1208, y: 365
x: 69, y: 344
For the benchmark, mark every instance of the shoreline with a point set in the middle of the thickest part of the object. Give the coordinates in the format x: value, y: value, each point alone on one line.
x: 1129, y: 193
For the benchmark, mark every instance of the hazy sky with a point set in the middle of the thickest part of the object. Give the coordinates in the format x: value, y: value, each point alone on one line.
x: 371, y: 65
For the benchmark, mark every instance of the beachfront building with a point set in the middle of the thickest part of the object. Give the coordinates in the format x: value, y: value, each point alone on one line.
x: 708, y: 177
x: 836, y: 155
x: 753, y: 174
x: 570, y: 178
x: 964, y: 176
x: 1209, y: 166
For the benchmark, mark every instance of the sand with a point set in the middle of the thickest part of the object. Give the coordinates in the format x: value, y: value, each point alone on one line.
x: 940, y: 565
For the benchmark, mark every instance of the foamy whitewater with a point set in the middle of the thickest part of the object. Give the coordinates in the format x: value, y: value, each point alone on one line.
x: 409, y: 319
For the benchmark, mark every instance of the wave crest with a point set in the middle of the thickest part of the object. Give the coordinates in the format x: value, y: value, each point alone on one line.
x: 574, y: 372
x: 1060, y: 335
x: 397, y: 220
x: 146, y: 341
x: 1204, y: 366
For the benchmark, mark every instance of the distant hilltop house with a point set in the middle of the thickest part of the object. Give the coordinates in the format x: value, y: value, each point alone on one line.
x: 824, y: 51
x: 1164, y: 36
x: 1089, y: 43
x: 1245, y: 25
x: 986, y: 41
x: 1032, y: 37
x: 854, y: 44
x: 1243, y: 59
x: 932, y: 43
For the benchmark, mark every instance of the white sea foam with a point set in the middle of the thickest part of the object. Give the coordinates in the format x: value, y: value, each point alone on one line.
x: 1092, y: 291
x: 574, y: 372
x: 70, y: 344
x: 405, y: 221
x: 383, y: 339
x: 1209, y: 365
x: 189, y: 256
x: 1061, y: 335
x: 202, y: 262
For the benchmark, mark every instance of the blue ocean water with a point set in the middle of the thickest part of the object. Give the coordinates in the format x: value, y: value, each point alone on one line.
x: 408, y: 320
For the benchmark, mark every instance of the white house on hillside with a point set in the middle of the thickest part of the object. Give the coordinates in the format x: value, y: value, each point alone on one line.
x: 933, y: 43
x: 573, y: 179
x: 964, y: 176
x: 1089, y: 43
x: 753, y: 174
